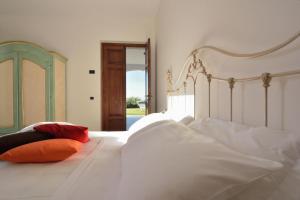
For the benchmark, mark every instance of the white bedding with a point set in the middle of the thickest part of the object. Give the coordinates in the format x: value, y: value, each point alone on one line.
x: 95, y: 172
x: 172, y: 162
x: 90, y: 174
x: 289, y: 188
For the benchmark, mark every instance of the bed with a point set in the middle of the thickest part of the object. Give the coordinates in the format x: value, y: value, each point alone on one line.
x: 167, y: 156
x: 108, y: 168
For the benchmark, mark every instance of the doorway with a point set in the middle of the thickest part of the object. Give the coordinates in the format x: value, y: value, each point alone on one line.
x: 136, y: 90
x: 126, y: 92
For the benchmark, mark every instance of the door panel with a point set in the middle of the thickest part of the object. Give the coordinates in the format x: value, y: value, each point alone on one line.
x: 6, y: 94
x: 115, y: 107
x: 35, y: 88
x: 113, y: 87
x: 33, y: 93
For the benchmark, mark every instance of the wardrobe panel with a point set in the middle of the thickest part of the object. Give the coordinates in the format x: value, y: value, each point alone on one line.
x: 33, y: 93
x: 32, y: 85
x: 6, y: 94
x: 60, y: 90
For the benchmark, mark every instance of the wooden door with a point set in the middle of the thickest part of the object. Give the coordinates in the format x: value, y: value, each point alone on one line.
x: 148, y: 76
x: 113, y: 87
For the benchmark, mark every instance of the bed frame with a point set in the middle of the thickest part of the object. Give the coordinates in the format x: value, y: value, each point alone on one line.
x: 194, y: 67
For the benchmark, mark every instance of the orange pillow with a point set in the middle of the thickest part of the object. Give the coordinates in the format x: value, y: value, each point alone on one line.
x: 43, y: 151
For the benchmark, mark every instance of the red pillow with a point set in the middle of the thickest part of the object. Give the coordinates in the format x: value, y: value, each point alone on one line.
x: 79, y: 133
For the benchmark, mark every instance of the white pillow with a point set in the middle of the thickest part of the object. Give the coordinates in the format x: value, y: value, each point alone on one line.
x: 130, y: 136
x: 177, y: 116
x: 272, y: 144
x: 147, y: 120
x: 171, y: 162
x: 126, y: 137
x: 217, y: 128
x: 156, y: 117
x: 261, y: 141
x: 31, y: 127
x: 186, y: 120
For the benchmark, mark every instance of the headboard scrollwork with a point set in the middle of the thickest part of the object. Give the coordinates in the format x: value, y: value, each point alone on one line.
x: 195, y: 67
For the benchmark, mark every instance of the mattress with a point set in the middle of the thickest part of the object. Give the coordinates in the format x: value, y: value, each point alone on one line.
x: 91, y: 174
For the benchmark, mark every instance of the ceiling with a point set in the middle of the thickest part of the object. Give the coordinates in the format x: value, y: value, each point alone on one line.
x: 57, y: 8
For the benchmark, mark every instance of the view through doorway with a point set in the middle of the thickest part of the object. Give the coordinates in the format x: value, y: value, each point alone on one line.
x: 136, y: 86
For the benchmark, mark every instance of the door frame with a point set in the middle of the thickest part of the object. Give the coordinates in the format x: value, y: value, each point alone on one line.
x: 125, y: 45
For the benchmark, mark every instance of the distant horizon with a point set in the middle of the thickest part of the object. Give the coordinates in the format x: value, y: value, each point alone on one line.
x: 135, y: 84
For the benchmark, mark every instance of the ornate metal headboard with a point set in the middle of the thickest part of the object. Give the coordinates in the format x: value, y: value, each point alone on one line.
x: 194, y: 67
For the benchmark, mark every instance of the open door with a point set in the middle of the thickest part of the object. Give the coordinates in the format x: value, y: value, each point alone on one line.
x: 148, y: 77
x: 113, y: 87
x: 115, y: 68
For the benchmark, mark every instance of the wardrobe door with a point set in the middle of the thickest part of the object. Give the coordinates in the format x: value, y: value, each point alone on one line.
x: 35, y: 89
x: 8, y: 93
x: 60, y: 89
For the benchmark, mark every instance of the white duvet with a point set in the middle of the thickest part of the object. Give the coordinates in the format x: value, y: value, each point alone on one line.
x: 91, y: 174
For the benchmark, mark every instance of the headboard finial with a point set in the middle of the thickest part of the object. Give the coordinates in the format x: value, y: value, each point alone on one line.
x: 209, y: 77
x: 266, y: 78
x: 169, y: 81
x: 231, y: 82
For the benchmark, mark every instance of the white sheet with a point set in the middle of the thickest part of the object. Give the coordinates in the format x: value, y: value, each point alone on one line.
x: 289, y: 188
x: 100, y: 175
x: 86, y: 175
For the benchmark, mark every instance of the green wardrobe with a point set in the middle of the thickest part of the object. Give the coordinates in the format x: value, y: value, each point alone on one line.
x: 32, y: 85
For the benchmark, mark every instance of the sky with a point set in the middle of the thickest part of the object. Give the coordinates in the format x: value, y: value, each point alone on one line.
x: 135, y: 84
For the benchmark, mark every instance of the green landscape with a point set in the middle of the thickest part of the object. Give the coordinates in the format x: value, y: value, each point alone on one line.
x: 132, y: 106
x: 135, y: 111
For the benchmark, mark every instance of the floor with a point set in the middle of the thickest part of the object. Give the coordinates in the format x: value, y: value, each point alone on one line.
x: 130, y: 119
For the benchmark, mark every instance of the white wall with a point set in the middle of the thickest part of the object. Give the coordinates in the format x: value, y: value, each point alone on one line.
x: 75, y: 29
x: 240, y: 26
